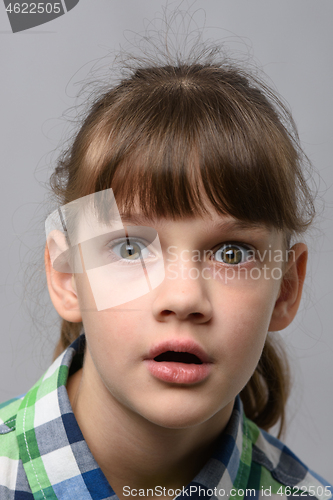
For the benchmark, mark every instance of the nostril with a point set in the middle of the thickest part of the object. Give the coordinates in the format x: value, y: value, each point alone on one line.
x: 166, y: 312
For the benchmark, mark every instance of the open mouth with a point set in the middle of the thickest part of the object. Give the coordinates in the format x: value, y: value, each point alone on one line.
x: 178, y: 357
x: 179, y: 362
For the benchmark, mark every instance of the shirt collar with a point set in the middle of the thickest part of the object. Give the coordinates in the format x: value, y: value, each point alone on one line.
x: 58, y: 462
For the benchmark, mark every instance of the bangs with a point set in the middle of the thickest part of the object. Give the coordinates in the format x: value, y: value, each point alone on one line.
x: 179, y: 145
x: 174, y: 178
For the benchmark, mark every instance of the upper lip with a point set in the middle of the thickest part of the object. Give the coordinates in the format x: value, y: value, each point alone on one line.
x: 179, y: 345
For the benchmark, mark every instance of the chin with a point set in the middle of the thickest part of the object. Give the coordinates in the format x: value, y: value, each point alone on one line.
x: 178, y: 418
x: 177, y: 422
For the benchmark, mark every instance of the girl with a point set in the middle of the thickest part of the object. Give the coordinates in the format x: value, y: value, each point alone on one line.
x: 170, y: 257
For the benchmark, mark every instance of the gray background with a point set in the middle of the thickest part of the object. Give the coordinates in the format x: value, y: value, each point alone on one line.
x: 292, y: 40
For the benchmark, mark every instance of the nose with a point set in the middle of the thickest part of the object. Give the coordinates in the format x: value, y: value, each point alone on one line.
x: 183, y: 295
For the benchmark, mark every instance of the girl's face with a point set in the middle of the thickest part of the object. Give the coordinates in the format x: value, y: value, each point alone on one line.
x: 178, y: 355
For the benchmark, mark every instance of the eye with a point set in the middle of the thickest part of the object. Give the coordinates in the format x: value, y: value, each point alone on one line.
x: 232, y: 254
x: 129, y: 250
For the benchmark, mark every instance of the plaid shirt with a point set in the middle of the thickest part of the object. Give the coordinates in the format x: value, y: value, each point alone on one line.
x: 43, y: 454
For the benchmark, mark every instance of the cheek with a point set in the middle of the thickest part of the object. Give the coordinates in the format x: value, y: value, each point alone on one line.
x: 85, y: 296
x: 244, y: 317
x: 117, y: 334
x: 115, y: 341
x: 112, y: 329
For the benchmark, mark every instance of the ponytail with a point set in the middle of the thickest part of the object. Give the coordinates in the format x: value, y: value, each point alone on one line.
x: 265, y: 395
x: 68, y: 333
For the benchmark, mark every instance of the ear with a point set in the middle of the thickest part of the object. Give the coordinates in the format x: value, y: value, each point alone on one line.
x: 62, y: 291
x: 291, y: 287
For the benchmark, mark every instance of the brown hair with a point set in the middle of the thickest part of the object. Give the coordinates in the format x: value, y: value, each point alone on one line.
x: 167, y: 134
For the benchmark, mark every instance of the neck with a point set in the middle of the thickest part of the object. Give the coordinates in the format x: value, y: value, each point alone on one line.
x: 132, y: 451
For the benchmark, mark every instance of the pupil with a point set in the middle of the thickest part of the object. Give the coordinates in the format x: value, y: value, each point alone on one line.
x: 233, y: 256
x: 130, y: 252
x: 130, y: 249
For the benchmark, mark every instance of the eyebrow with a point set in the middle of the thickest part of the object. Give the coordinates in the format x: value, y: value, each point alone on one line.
x: 241, y: 225
x: 226, y: 225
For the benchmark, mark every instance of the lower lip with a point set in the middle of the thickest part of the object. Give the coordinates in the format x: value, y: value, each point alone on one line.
x: 178, y: 373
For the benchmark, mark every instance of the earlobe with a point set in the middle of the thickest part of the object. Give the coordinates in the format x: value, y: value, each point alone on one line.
x: 62, y: 291
x: 291, y: 288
